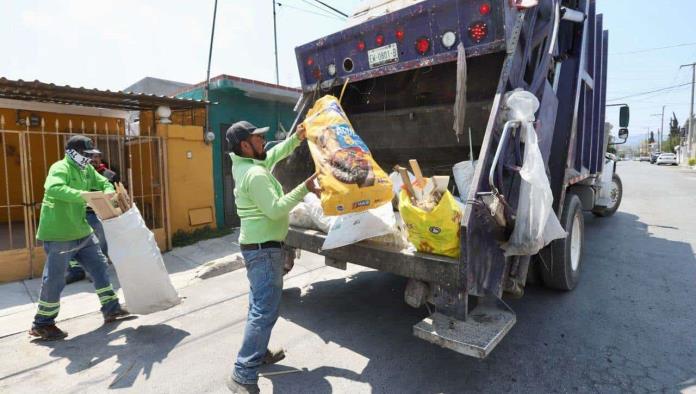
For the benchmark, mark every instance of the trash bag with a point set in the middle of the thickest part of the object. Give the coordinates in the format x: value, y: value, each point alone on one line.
x: 463, y: 176
x: 437, y: 231
x: 139, y: 265
x: 355, y: 227
x: 350, y: 178
x: 536, y: 225
x: 316, y: 213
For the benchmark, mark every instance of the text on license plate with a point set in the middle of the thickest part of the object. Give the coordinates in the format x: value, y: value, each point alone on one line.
x: 383, y: 55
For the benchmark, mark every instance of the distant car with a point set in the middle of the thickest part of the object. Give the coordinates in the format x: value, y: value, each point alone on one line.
x: 667, y: 158
x: 654, y: 156
x: 644, y: 158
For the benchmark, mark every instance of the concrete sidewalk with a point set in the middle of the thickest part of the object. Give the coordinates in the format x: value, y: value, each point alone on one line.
x: 186, y: 265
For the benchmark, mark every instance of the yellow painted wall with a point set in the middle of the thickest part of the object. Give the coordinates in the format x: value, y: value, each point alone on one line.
x: 190, y: 169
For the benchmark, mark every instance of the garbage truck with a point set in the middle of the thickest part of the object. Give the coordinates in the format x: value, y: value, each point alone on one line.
x: 429, y: 80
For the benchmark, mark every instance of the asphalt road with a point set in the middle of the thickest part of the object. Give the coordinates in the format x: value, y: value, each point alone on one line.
x: 629, y: 326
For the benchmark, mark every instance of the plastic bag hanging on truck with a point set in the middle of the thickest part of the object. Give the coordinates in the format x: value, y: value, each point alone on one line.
x: 536, y: 224
x: 139, y: 265
x: 350, y: 178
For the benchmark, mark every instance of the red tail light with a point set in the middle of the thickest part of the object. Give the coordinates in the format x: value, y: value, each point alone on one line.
x: 310, y: 61
x: 400, y: 34
x: 485, y: 9
x: 316, y: 73
x: 361, y: 45
x: 379, y: 40
x: 478, y: 31
x: 422, y: 45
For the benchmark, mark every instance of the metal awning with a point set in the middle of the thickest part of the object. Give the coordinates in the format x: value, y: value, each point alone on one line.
x: 51, y: 93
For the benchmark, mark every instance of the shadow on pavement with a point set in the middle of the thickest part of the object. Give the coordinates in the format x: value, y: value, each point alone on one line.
x: 622, y: 329
x: 136, y: 350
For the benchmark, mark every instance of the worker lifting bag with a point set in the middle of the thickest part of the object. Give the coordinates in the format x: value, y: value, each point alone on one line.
x: 350, y: 179
x: 436, y: 231
x: 139, y: 265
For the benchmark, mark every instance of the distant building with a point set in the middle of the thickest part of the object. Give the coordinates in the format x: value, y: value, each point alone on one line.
x: 157, y: 86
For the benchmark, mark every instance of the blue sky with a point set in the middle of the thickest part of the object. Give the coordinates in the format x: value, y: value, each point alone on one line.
x: 110, y: 44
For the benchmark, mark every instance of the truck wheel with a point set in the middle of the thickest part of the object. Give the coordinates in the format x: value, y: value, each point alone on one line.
x: 615, y: 195
x: 563, y: 271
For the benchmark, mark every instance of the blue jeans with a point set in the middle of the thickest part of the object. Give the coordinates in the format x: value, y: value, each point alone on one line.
x: 96, y: 225
x: 265, y: 272
x: 58, y: 254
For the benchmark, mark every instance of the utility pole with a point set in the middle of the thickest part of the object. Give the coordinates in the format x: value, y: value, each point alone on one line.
x: 691, y: 117
x: 275, y: 43
x: 660, y: 132
x: 207, y: 78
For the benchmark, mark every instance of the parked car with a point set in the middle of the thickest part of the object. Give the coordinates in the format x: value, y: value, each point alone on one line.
x: 667, y: 158
x: 654, y: 156
x: 645, y: 158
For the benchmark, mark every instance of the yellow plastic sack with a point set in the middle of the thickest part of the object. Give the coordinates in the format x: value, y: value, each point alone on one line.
x: 350, y: 179
x: 435, y: 232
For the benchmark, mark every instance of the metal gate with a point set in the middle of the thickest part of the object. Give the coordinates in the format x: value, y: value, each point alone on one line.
x: 25, y: 158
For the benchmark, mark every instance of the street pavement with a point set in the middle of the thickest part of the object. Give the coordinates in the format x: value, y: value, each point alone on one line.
x: 629, y: 326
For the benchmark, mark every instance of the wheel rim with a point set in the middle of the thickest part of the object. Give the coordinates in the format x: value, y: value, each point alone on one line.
x: 575, y: 242
x: 613, y: 194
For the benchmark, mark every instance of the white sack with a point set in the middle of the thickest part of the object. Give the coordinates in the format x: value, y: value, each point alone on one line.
x: 139, y: 265
x: 536, y: 224
x: 463, y: 176
x: 355, y: 227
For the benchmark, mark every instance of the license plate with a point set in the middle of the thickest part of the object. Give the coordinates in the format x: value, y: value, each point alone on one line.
x: 383, y: 55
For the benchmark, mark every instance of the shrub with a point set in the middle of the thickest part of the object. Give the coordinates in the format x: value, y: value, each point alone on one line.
x: 692, y: 161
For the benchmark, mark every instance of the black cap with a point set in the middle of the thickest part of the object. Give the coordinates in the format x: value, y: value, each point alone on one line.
x: 81, y: 144
x: 240, y: 131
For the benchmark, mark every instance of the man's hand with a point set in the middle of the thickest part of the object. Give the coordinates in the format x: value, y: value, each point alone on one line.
x: 301, y: 131
x: 313, y: 186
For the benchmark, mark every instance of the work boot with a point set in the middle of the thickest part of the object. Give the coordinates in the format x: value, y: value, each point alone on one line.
x: 48, y: 333
x: 74, y: 276
x: 273, y: 356
x: 239, y: 388
x: 118, y: 314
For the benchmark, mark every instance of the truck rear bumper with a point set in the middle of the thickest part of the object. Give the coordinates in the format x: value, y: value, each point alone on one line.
x: 426, y: 267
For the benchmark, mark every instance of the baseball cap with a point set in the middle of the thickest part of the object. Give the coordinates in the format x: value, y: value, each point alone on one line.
x: 240, y: 131
x: 81, y: 144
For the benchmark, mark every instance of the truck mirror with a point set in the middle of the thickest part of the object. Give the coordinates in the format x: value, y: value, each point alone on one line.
x: 624, y: 116
x: 623, y: 133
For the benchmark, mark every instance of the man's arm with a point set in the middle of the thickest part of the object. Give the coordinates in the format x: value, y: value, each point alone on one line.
x: 281, y: 151
x: 275, y: 208
x: 56, y: 186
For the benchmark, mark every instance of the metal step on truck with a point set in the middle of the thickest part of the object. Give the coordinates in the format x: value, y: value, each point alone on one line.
x: 407, y: 79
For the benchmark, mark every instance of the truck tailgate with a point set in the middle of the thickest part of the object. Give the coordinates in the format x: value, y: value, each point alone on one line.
x: 421, y: 266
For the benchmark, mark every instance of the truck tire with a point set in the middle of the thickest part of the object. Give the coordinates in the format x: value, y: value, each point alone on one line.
x: 563, y: 271
x: 616, y: 194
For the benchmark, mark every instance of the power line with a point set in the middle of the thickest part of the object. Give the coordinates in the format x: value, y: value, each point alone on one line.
x: 688, y: 44
x: 308, y: 11
x: 652, y: 91
x: 323, y: 10
x: 333, y: 9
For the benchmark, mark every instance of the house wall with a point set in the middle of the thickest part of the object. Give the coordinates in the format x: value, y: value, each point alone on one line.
x: 233, y: 105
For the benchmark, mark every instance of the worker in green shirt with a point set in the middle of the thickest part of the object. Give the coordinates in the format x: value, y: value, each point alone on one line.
x: 264, y: 212
x: 65, y: 233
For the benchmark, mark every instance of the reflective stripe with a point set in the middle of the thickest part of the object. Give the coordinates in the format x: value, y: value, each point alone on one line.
x: 107, y: 299
x: 73, y: 264
x: 48, y: 314
x: 49, y: 304
x: 105, y: 289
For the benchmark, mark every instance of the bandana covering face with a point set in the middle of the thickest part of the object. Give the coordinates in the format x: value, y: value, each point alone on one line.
x: 81, y: 161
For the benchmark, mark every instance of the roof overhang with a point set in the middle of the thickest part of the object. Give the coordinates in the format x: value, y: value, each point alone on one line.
x: 67, y: 95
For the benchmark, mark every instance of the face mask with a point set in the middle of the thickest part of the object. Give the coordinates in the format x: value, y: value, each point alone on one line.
x: 80, y: 160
